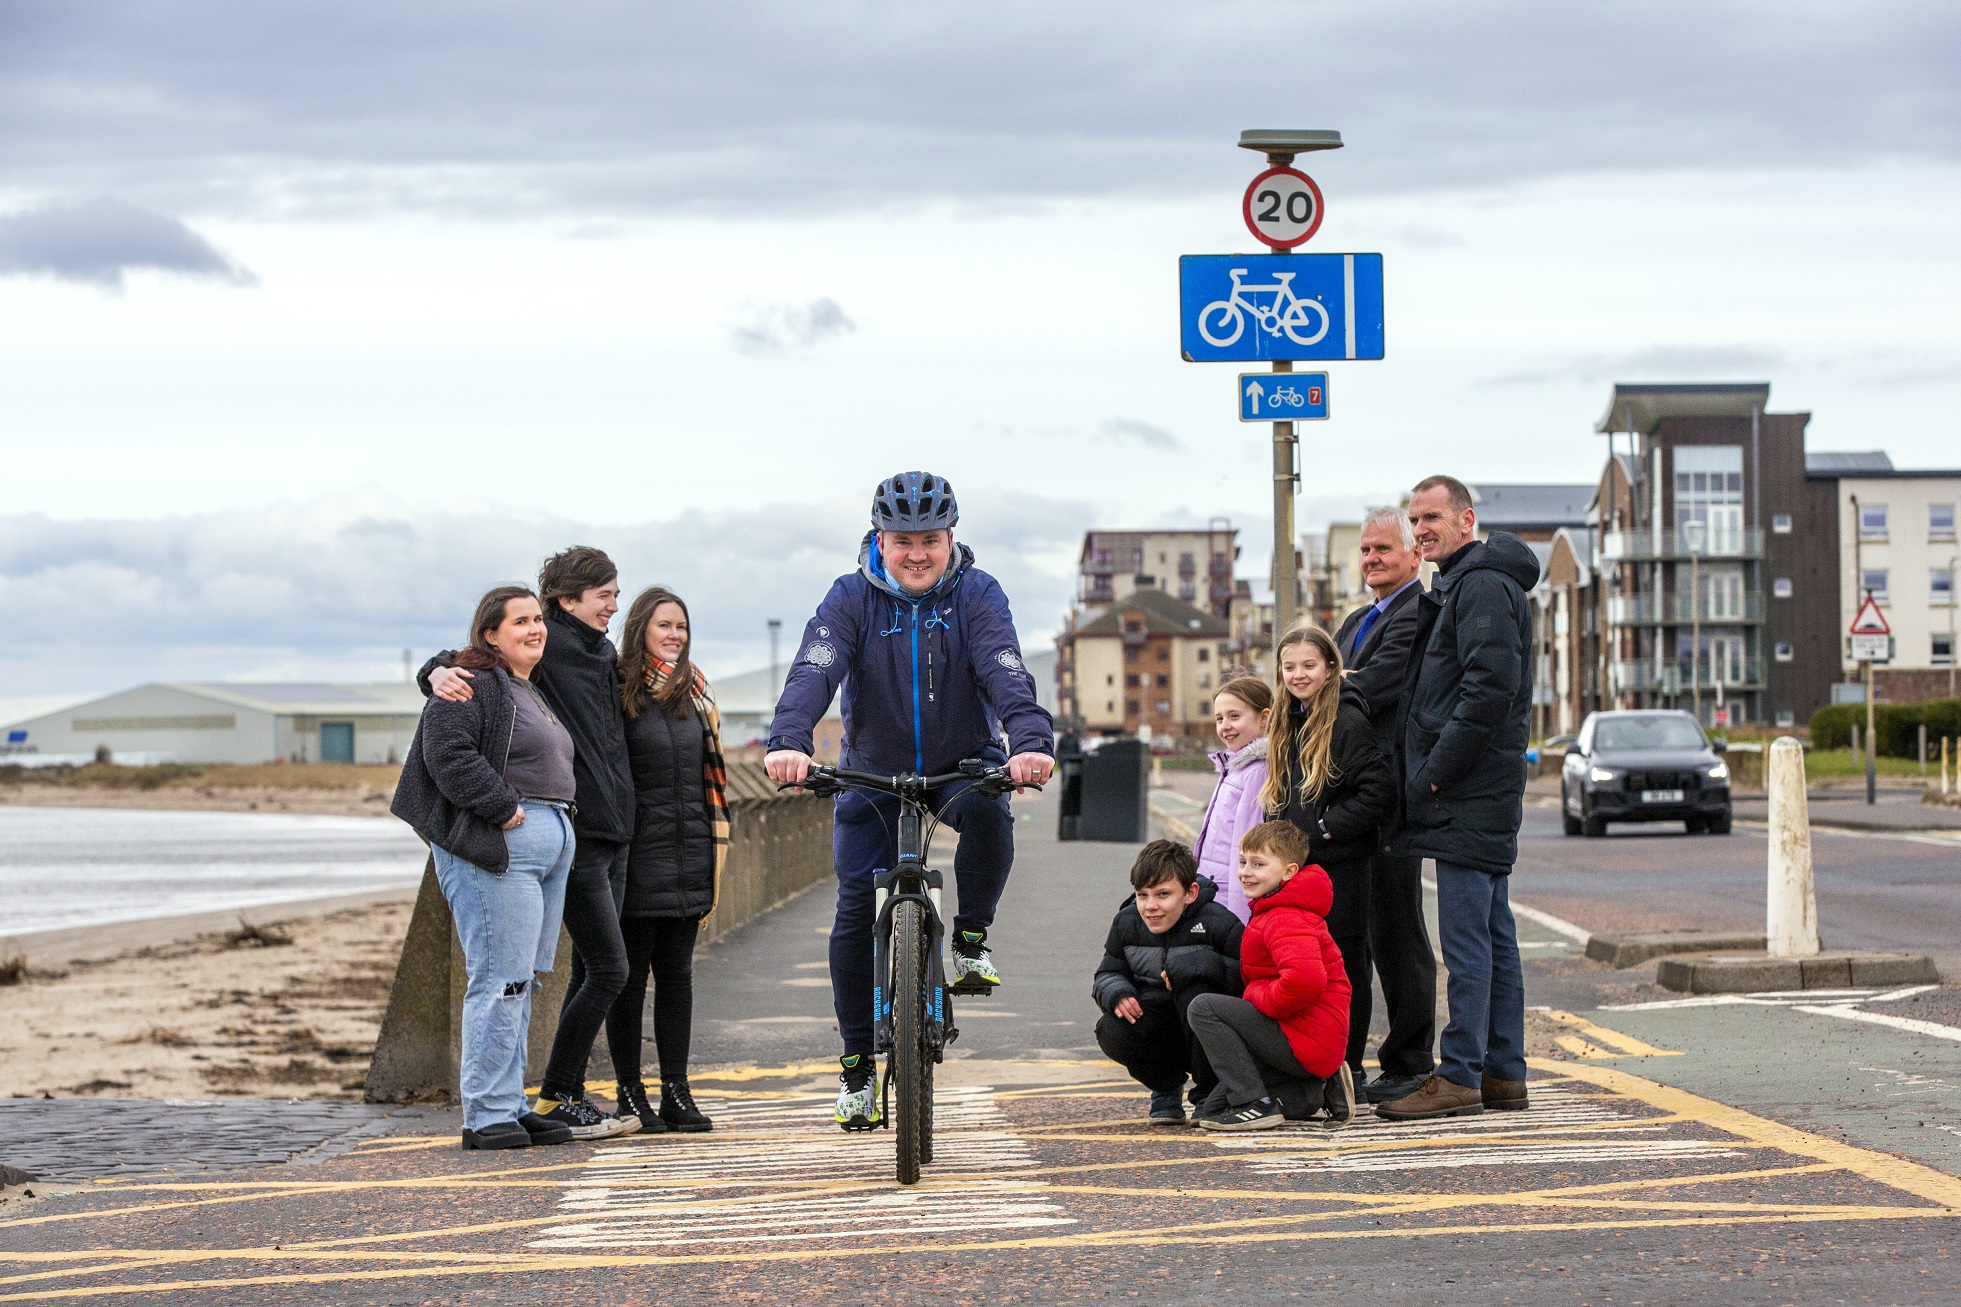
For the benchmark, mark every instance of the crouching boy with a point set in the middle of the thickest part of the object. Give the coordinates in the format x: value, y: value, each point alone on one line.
x: 1280, y: 1051
x: 1170, y: 943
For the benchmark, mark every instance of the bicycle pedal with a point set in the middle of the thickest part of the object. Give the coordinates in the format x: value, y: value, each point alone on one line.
x: 972, y: 988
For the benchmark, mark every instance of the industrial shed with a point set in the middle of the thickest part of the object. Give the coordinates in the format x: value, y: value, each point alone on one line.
x: 303, y: 721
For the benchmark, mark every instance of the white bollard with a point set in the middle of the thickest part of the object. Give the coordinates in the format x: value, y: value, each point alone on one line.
x: 1791, y: 903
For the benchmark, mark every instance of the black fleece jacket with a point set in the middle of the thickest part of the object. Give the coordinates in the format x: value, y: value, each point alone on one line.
x: 452, y: 788
x: 579, y: 677
x: 1200, y: 954
x: 1358, y: 802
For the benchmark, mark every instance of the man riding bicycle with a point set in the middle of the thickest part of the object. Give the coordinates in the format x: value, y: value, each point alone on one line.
x: 925, y: 649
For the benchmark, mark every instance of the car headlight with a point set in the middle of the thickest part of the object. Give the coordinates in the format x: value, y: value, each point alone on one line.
x: 1601, y: 775
x: 1720, y: 772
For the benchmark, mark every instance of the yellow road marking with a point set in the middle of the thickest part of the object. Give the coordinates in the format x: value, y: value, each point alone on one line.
x: 1599, y: 1039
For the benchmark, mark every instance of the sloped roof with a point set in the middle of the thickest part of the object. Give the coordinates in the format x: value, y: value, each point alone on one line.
x: 1642, y: 405
x: 1533, y: 505
x: 1163, y: 615
x: 311, y: 698
x: 1837, y: 462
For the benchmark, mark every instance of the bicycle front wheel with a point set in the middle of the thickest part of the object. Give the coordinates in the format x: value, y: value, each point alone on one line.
x: 1221, y: 322
x: 908, y: 1033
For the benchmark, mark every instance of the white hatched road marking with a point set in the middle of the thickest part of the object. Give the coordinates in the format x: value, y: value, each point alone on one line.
x: 641, y: 1190
x: 1429, y: 1145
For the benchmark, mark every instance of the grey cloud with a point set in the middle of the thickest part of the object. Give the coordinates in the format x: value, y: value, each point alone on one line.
x: 776, y: 328
x: 766, y: 108
x: 1663, y: 362
x: 97, y: 241
x: 329, y: 588
x: 1130, y: 431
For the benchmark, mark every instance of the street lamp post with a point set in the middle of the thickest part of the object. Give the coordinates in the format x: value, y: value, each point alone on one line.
x: 1280, y: 146
x: 1953, y: 575
x: 1695, y: 534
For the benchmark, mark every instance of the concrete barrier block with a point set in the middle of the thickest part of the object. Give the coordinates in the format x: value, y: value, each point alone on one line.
x: 1874, y: 970
x: 1729, y: 975
x: 1632, y: 950
x: 1826, y: 971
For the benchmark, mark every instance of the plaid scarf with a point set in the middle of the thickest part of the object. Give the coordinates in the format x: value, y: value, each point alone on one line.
x: 714, y: 772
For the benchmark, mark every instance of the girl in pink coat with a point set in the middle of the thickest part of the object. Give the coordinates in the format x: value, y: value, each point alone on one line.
x: 1240, y: 710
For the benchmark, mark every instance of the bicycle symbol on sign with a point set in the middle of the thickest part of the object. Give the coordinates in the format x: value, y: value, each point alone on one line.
x: 1287, y: 312
x: 1286, y: 395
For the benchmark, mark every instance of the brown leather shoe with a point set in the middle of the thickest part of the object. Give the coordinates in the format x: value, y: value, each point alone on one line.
x: 1436, y: 1097
x: 1504, y: 1095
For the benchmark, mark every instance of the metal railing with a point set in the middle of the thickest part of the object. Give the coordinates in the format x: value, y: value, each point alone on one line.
x: 1674, y: 678
x: 1678, y: 610
x: 1631, y: 546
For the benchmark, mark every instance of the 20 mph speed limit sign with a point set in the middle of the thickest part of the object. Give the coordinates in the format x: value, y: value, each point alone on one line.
x: 1282, y: 208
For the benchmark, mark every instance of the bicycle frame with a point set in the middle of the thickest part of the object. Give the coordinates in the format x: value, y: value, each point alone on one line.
x: 911, y: 881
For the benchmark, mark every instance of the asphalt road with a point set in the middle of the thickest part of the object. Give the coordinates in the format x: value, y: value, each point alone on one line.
x: 1748, y: 1153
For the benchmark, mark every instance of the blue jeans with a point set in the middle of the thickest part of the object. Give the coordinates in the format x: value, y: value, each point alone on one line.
x: 1486, y: 1033
x: 865, y: 838
x: 508, y: 925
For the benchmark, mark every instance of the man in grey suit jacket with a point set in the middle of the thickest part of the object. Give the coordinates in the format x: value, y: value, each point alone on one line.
x: 1375, y: 643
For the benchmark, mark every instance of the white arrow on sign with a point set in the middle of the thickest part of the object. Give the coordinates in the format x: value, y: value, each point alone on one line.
x: 1253, y: 392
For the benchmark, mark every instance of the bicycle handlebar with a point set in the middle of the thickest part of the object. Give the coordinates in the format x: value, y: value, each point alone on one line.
x: 908, y: 785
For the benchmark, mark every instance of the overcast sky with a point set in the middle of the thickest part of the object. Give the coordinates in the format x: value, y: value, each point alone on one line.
x: 315, y: 319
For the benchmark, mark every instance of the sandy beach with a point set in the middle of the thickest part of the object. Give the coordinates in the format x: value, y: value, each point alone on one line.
x: 319, y: 789
x: 227, y: 1013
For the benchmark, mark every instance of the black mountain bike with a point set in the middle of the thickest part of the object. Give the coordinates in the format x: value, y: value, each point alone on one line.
x: 912, y: 1015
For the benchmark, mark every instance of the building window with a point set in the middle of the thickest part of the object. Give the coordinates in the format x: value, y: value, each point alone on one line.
x: 1872, y: 521
x: 1940, y: 587
x: 1943, y: 650
x: 1940, y: 521
x: 1164, y: 707
x: 1164, y: 682
x: 1131, y: 680
x: 1784, y: 652
x: 1204, y: 680
x: 1781, y: 587
x: 1110, y: 679
x: 1873, y: 580
x: 1780, y: 524
x: 1130, y: 706
x: 1164, y: 655
x: 1203, y: 653
x: 1709, y: 494
x: 1785, y: 717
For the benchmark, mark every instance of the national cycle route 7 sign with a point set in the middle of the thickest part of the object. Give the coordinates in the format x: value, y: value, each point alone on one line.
x: 1282, y: 396
x: 1253, y: 307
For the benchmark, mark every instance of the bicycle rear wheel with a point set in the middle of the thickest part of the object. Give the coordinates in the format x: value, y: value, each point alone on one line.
x: 908, y: 1032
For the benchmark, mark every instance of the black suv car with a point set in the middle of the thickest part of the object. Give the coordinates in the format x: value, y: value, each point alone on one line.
x: 1644, y: 766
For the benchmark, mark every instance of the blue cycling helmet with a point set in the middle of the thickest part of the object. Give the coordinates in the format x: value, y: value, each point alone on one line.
x: 914, y: 501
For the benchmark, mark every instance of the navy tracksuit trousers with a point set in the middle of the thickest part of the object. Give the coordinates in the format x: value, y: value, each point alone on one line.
x: 865, y: 839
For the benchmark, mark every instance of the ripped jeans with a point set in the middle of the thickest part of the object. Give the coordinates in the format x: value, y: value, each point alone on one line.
x: 508, y: 925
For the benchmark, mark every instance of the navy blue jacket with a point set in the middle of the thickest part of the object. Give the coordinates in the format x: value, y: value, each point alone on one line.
x: 928, y: 679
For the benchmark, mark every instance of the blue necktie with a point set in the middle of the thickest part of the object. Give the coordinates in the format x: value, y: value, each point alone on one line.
x: 1362, y: 631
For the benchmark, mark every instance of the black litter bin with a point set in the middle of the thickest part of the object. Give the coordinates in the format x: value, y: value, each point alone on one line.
x: 1069, y: 785
x: 1115, y: 793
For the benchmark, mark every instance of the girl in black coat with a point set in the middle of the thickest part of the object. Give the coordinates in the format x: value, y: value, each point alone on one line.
x: 1326, y: 776
x: 681, y: 829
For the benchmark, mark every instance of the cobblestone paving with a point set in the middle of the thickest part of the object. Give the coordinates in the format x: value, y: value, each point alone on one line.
x: 90, y: 1138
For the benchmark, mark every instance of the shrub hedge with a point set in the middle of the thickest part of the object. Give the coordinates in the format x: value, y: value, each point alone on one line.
x: 1894, y: 723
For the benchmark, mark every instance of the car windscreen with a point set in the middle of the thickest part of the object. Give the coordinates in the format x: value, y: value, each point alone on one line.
x: 1647, y: 733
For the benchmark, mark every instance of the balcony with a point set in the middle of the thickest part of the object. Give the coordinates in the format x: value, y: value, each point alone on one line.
x: 1678, y: 610
x: 1646, y: 546
x: 1674, y: 678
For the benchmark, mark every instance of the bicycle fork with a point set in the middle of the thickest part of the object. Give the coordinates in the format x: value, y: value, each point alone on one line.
x: 940, y: 1030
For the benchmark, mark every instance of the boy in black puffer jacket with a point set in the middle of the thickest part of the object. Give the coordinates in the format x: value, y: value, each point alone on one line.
x: 1170, y: 942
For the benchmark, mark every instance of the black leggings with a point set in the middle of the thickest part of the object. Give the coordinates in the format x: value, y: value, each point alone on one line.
x: 663, y: 947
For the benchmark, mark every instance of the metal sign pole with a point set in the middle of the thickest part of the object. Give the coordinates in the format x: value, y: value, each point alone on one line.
x: 1872, y: 742
x: 1286, y: 577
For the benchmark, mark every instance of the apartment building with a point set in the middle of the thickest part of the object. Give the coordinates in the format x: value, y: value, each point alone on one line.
x: 1896, y: 542
x: 1195, y: 567
x: 1145, y: 663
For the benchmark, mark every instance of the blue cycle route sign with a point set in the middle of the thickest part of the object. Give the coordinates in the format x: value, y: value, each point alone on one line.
x: 1237, y: 308
x: 1282, y: 396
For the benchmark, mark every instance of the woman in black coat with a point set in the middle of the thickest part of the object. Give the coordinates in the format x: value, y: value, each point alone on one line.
x: 1326, y: 776
x: 681, y: 829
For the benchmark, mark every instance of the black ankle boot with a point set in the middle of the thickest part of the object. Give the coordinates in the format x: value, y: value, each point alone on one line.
x: 633, y: 1102
x: 678, y: 1110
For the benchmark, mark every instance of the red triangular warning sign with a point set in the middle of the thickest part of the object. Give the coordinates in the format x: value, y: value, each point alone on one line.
x: 1870, y: 620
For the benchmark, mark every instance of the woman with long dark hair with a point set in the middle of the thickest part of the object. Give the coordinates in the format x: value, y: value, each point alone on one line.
x: 1326, y: 776
x: 488, y: 782
x: 681, y: 836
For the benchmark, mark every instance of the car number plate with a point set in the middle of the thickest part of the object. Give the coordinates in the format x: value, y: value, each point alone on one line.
x: 1661, y: 796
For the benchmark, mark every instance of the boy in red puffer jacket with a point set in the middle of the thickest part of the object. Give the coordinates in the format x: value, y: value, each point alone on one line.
x: 1279, y: 1052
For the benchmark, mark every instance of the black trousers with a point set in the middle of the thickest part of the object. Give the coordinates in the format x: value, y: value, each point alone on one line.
x: 594, y: 894
x: 1250, y: 1052
x: 1348, y: 922
x: 1405, y: 963
x: 1158, y: 1049
x: 663, y: 948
